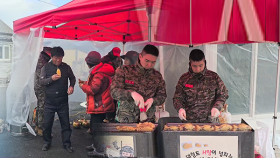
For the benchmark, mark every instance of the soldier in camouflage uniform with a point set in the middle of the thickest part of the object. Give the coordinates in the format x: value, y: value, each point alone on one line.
x: 200, y: 93
x: 44, y: 58
x: 138, y: 86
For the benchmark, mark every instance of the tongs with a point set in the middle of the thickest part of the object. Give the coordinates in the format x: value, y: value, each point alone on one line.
x: 185, y: 121
x: 215, y: 120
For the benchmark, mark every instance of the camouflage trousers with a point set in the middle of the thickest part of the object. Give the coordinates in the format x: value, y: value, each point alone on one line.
x: 131, y: 114
x: 39, y: 118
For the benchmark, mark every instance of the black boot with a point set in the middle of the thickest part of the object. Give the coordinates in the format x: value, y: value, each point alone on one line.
x: 69, y: 148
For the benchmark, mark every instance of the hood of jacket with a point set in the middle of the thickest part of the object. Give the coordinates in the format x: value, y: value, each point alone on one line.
x: 104, y: 68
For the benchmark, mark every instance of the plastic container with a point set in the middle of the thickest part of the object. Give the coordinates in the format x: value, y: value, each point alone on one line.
x: 160, y: 113
x: 225, y: 116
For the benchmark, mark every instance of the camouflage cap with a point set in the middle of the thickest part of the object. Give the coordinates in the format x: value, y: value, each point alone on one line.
x: 47, y: 49
x: 132, y: 55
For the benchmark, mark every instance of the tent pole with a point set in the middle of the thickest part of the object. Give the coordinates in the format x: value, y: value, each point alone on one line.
x: 123, y: 53
x: 253, y: 81
x: 211, y: 56
x: 161, y: 65
x: 150, y: 27
x: 191, y: 23
x: 276, y: 98
x: 277, y: 86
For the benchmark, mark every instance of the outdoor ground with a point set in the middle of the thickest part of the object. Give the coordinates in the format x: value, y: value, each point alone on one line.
x: 30, y: 146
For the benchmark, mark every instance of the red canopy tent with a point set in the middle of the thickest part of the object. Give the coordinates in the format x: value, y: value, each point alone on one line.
x: 185, y: 22
x: 101, y: 20
x: 181, y: 22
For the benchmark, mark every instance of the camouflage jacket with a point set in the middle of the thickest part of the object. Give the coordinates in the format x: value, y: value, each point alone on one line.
x: 44, y: 58
x: 199, y: 93
x: 148, y: 83
x: 117, y: 62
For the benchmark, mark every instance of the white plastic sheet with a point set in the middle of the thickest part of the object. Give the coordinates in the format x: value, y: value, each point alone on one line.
x: 266, y: 79
x: 20, y: 91
x: 234, y: 67
x: 262, y: 140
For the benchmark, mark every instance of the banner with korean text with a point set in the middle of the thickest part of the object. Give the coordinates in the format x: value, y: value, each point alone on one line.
x: 208, y: 146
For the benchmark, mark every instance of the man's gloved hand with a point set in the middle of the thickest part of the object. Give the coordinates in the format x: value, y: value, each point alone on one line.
x: 182, y: 114
x: 138, y: 99
x: 215, y: 112
x: 149, y: 103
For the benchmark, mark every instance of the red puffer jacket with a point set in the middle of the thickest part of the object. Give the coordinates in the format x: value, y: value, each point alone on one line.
x: 97, y: 89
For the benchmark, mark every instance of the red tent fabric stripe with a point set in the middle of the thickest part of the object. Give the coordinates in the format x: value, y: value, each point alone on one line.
x: 237, y: 32
x: 219, y: 21
x: 248, y: 21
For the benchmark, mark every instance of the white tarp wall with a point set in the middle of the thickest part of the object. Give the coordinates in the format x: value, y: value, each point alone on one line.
x: 232, y: 62
x: 20, y: 91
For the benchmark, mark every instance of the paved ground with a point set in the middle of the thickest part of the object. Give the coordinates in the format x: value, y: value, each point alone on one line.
x: 30, y: 146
